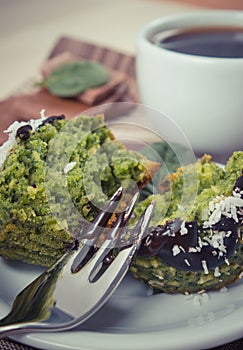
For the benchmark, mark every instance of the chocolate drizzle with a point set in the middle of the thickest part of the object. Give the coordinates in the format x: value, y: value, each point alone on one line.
x: 188, y: 251
x: 195, y: 248
x: 24, y: 132
x: 51, y: 119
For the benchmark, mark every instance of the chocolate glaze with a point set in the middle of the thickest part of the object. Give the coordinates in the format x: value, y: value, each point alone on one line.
x: 190, y: 252
x: 51, y: 119
x: 24, y: 132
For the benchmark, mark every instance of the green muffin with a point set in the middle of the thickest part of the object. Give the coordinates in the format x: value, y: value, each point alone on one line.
x: 156, y: 263
x: 55, y: 175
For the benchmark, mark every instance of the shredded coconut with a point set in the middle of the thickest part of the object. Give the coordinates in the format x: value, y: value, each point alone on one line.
x: 216, y: 240
x: 236, y: 194
x: 182, y: 249
x: 183, y: 229
x: 217, y: 272
x: 188, y: 296
x: 69, y: 167
x: 11, y: 131
x: 176, y: 250
x: 205, y: 267
x: 226, y: 261
x: 192, y: 250
x: 187, y: 262
x: 200, y: 242
x: 222, y: 205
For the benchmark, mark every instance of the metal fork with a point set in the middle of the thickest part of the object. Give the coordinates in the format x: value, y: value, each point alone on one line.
x: 77, y: 285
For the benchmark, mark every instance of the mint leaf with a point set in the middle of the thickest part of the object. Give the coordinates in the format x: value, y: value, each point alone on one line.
x: 71, y: 79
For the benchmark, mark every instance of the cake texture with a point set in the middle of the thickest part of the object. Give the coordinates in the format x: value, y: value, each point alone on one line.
x: 198, y: 246
x: 56, y: 175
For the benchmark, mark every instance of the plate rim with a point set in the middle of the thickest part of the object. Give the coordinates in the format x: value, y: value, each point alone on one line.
x: 185, y: 338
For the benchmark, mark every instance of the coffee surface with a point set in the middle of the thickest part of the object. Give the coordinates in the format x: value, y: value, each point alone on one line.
x: 211, y: 42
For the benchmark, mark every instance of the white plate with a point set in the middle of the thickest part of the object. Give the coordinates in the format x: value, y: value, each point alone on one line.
x: 133, y: 320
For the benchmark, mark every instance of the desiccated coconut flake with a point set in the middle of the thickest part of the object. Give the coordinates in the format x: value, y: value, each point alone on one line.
x: 182, y: 248
x: 42, y: 113
x: 201, y: 291
x: 228, y: 233
x: 200, y: 242
x: 69, y: 167
x: 214, y: 253
x: 183, y: 229
x: 188, y: 296
x: 176, y: 250
x: 227, y: 261
x: 205, y: 267
x: 236, y: 194
x: 192, y: 250
x: 216, y: 240
x: 187, y: 262
x: 217, y: 272
x: 226, y: 206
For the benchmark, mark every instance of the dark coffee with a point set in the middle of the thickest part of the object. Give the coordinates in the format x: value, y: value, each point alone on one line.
x: 225, y: 42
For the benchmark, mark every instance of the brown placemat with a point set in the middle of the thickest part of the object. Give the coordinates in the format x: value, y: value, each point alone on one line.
x: 22, y: 106
x: 110, y: 58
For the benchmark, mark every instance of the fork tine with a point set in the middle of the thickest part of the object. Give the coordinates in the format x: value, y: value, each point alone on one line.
x: 144, y: 220
x: 119, y: 266
x: 123, y: 219
x: 99, y: 290
x: 92, y: 232
x: 114, y: 233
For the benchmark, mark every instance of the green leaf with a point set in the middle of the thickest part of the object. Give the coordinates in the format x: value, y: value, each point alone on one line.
x: 73, y: 78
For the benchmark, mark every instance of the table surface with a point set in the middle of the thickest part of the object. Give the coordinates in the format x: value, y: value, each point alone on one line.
x: 29, y: 29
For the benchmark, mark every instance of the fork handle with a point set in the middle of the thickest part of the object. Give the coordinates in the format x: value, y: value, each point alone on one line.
x: 29, y: 327
x: 18, y: 328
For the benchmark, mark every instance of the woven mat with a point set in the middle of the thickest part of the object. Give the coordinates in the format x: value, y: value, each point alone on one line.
x: 6, y: 344
x: 21, y: 106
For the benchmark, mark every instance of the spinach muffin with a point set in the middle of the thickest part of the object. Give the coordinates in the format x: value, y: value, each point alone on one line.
x: 55, y: 175
x: 198, y: 246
